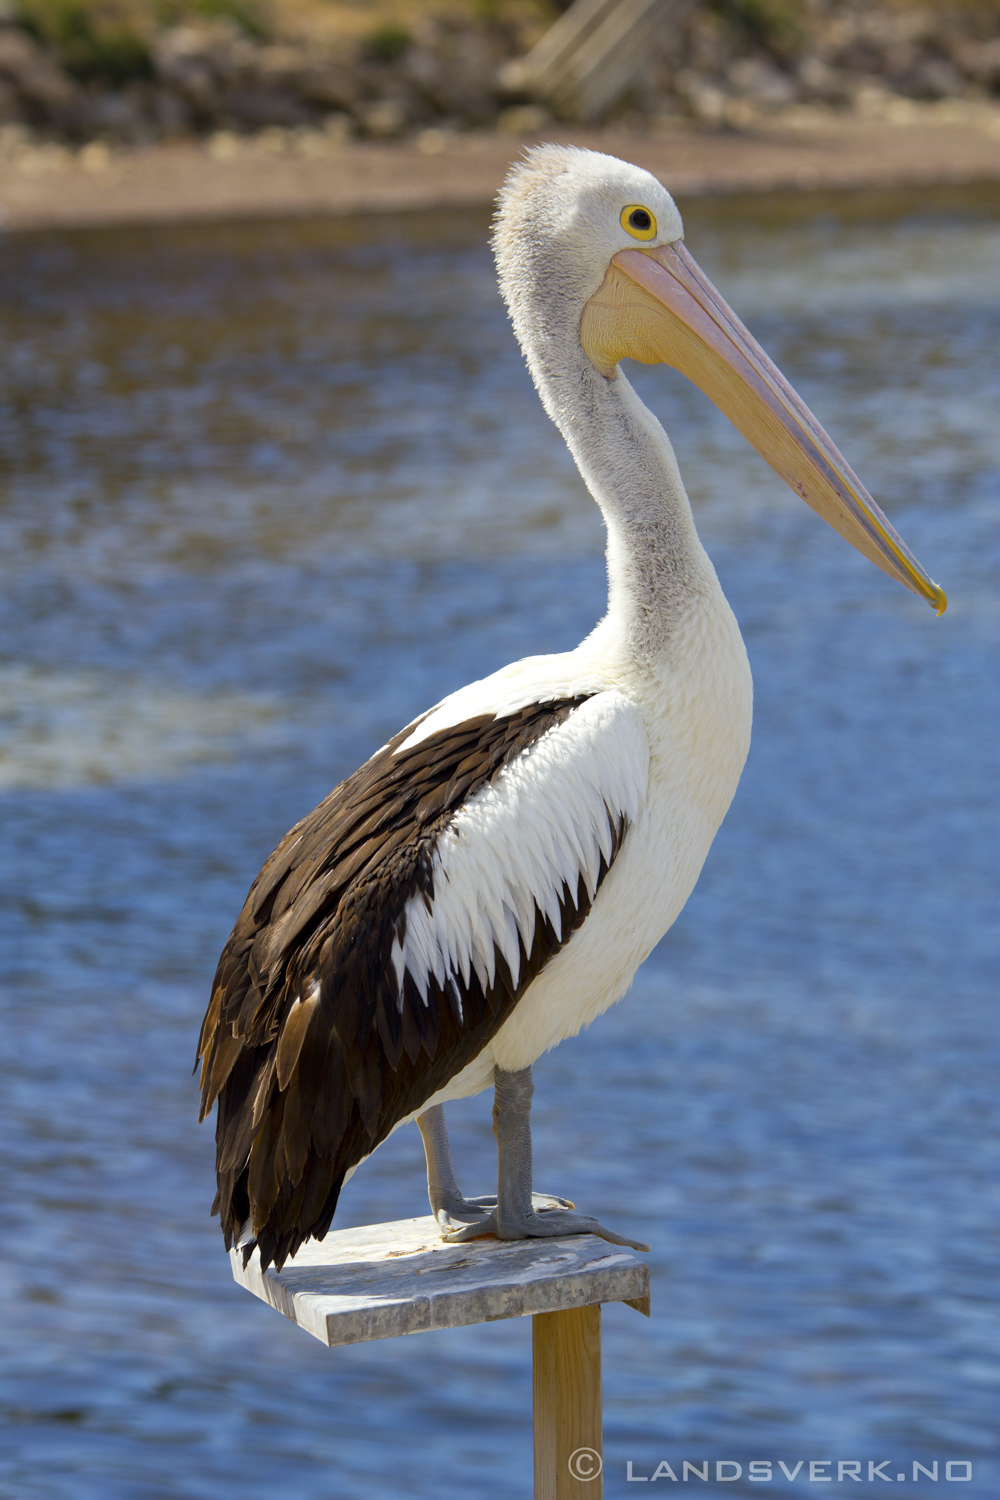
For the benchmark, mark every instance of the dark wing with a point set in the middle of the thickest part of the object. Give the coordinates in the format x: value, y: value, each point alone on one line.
x: 333, y: 1015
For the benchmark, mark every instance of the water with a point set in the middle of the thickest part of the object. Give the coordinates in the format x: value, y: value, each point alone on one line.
x: 271, y: 491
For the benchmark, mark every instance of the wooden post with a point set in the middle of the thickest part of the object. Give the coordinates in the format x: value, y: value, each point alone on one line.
x: 566, y: 1376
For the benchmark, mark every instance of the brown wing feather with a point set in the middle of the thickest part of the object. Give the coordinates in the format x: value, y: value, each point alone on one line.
x: 307, y: 1045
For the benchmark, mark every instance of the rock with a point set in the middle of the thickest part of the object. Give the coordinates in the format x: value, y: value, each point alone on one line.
x: 329, y: 86
x: 223, y: 77
x: 122, y: 115
x: 223, y: 145
x: 703, y: 97
x: 311, y: 144
x: 432, y: 142
x: 182, y: 59
x: 44, y: 92
x: 710, y: 45
x: 754, y: 79
x: 873, y: 102
x: 338, y: 128
x: 255, y: 106
x: 204, y: 62
x: 524, y: 119
x: 383, y: 118
x: 934, y: 78
x: 273, y: 140
x: 980, y: 61
x: 94, y: 157
x: 10, y: 103
x: 38, y: 160
x: 169, y: 113
x: 827, y: 85
x: 13, y: 140
x: 424, y: 68
x: 280, y: 64
x: 458, y: 76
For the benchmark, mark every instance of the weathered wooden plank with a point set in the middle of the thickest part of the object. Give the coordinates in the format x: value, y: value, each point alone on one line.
x: 384, y: 1280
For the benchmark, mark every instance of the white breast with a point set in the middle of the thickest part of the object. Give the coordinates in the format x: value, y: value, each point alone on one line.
x: 697, y: 713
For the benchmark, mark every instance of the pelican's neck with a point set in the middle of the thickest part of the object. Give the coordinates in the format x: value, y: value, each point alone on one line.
x: 657, y: 568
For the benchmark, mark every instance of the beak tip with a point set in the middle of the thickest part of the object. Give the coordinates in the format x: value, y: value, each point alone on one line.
x: 941, y: 601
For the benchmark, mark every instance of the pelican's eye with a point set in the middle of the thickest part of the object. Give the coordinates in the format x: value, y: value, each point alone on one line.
x: 638, y: 222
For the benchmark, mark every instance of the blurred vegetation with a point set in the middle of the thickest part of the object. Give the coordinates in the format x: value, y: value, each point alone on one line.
x: 782, y: 27
x: 778, y: 25
x: 111, y: 40
x: 250, y: 16
x: 92, y: 38
x: 388, y: 42
x: 448, y: 54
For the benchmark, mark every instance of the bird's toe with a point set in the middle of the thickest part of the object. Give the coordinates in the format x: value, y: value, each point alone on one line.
x: 554, y: 1223
x: 456, y: 1212
x: 474, y: 1231
x: 544, y: 1202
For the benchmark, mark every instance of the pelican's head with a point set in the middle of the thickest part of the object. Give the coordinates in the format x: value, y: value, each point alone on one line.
x: 594, y: 270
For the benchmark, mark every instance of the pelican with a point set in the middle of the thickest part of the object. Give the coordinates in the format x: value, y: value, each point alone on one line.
x: 491, y: 879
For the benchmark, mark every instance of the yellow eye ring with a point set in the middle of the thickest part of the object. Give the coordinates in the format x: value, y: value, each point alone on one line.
x: 637, y: 221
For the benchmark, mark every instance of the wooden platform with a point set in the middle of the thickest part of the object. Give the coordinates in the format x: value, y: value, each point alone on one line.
x: 385, y: 1280
x: 390, y: 1279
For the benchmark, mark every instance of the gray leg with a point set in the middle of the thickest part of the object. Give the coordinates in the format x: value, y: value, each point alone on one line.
x: 516, y: 1216
x: 447, y: 1204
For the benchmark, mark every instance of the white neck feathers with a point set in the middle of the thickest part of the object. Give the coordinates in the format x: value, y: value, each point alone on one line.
x: 556, y: 232
x: 657, y: 567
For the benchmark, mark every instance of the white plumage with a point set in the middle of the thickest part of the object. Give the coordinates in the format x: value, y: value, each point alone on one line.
x: 666, y: 748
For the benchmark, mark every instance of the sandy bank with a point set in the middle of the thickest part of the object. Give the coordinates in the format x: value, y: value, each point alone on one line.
x: 296, y: 173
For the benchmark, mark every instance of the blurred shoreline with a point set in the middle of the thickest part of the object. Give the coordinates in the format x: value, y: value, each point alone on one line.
x: 312, y: 172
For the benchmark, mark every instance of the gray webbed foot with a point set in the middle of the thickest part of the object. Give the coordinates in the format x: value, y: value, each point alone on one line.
x: 548, y: 1224
x: 455, y: 1212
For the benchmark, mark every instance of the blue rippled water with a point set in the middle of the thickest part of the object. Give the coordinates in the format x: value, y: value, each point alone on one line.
x: 272, y: 490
